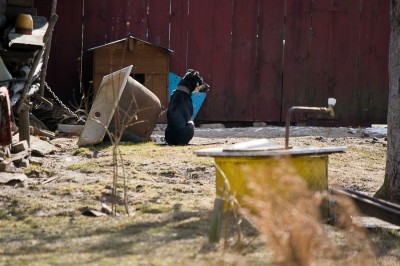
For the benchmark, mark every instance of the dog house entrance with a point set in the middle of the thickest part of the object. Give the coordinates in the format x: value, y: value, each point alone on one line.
x: 141, y: 78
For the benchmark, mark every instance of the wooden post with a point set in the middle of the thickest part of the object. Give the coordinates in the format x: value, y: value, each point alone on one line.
x: 47, y: 53
x: 36, y: 61
x: 22, y: 108
x: 23, y: 124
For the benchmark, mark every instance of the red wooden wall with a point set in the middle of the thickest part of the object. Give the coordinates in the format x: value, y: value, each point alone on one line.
x: 260, y: 56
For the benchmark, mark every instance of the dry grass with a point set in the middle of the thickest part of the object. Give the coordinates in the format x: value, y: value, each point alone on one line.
x: 170, y: 196
x: 288, y: 216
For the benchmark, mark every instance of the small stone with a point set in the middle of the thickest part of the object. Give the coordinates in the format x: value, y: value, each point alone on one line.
x: 364, y: 135
x: 2, y: 155
x: 160, y: 127
x: 12, y: 178
x: 212, y: 125
x: 19, y: 147
x: 36, y: 160
x: 7, y: 166
x: 259, y: 124
x: 106, y: 209
x: 22, y: 163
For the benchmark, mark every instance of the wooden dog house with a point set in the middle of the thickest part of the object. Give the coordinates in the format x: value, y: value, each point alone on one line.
x: 150, y: 65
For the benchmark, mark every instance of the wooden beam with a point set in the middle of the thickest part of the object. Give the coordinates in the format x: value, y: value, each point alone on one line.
x: 47, y: 53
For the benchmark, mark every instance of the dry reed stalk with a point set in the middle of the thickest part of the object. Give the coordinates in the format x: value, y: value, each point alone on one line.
x: 286, y: 213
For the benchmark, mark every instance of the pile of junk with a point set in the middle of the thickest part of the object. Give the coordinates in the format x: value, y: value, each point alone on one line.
x: 24, y: 52
x: 29, y: 107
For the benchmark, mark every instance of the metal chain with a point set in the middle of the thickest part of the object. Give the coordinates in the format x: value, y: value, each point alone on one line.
x: 63, y: 105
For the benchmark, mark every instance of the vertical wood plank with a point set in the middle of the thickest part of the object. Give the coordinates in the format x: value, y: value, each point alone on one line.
x: 179, y: 30
x: 382, y: 62
x: 136, y: 18
x: 43, y: 7
x: 372, y: 70
x: 241, y: 80
x: 200, y: 34
x: 66, y: 48
x: 158, y: 22
x: 221, y: 53
x: 321, y: 81
x: 96, y: 23
x: 345, y: 35
x: 116, y: 16
x: 296, y: 54
x: 268, y: 88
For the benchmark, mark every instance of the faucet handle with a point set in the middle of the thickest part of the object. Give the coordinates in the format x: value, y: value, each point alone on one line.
x: 331, y: 101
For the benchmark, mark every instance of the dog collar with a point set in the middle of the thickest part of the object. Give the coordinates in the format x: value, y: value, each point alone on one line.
x: 184, y: 89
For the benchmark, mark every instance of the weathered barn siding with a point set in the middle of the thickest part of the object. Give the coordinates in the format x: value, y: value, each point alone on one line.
x: 259, y: 56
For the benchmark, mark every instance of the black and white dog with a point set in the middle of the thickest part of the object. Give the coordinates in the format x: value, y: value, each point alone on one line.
x: 180, y: 128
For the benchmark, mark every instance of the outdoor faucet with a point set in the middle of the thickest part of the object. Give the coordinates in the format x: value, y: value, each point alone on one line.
x: 329, y: 110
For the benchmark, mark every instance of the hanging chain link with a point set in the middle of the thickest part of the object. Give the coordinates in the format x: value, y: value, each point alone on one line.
x: 80, y: 119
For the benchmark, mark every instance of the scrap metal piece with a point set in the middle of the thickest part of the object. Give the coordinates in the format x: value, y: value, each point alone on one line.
x: 374, y: 207
x: 329, y: 110
x: 91, y: 212
x: 104, y: 106
x: 138, y: 110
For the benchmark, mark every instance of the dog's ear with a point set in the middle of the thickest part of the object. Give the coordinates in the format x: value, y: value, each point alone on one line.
x: 192, y: 73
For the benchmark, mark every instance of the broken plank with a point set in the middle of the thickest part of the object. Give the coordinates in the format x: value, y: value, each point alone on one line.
x: 34, y: 41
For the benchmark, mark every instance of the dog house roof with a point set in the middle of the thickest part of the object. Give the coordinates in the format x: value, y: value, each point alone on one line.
x: 169, y: 51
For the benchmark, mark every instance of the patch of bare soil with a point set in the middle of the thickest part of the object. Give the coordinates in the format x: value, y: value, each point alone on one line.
x: 170, y: 194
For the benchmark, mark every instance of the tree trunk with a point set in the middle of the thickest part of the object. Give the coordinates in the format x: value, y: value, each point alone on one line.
x: 390, y: 189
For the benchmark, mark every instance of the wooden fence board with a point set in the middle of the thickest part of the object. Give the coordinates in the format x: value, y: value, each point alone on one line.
x: 158, y: 22
x: 269, y: 61
x: 135, y: 12
x: 220, y: 65
x: 116, y: 15
x: 96, y: 23
x: 345, y: 48
x: 332, y: 49
x: 320, y: 50
x: 241, y: 81
x: 178, y: 40
x: 297, y: 54
x: 372, y: 73
x: 200, y: 34
x: 65, y: 54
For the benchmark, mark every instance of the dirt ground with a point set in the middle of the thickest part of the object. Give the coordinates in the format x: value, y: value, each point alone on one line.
x: 170, y: 194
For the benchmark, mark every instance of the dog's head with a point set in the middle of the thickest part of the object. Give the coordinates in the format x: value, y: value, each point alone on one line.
x: 194, y: 82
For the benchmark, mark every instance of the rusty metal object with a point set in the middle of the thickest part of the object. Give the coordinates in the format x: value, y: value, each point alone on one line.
x: 138, y: 110
x: 104, y: 106
x: 377, y: 208
x: 329, y: 110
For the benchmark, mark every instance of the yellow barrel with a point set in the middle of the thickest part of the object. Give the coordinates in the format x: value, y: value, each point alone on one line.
x: 312, y: 169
